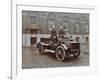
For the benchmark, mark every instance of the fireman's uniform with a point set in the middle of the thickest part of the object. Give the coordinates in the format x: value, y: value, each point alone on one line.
x: 61, y: 33
x: 53, y: 36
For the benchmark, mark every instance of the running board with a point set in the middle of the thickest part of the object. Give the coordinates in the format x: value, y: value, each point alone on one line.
x: 47, y: 50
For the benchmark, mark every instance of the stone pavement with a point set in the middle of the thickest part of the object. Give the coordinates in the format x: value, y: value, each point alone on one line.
x: 32, y: 59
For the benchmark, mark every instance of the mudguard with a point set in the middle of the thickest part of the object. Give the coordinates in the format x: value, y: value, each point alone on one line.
x: 65, y: 47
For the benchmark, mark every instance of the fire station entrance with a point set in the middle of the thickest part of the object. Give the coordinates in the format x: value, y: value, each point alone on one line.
x: 30, y: 37
x: 33, y: 40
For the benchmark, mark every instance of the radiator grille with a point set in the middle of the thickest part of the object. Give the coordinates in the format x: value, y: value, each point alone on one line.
x: 75, y: 45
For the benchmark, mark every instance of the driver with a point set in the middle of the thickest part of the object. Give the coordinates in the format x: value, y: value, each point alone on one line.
x: 61, y: 32
x: 53, y: 35
x: 61, y: 35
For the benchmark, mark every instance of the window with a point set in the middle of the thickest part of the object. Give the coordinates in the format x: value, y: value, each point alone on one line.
x: 51, y: 20
x: 50, y: 24
x: 77, y: 39
x: 77, y: 24
x: 65, y: 26
x: 33, y: 19
x: 33, y: 40
x: 86, y: 39
x: 86, y: 28
x: 33, y: 31
x: 77, y: 27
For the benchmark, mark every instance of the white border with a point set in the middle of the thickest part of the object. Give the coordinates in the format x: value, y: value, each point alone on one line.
x: 18, y: 73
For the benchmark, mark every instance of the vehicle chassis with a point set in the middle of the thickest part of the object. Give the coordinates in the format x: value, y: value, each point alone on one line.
x: 60, y: 49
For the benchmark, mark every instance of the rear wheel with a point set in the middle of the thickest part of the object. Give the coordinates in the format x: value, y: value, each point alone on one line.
x: 77, y: 53
x: 60, y: 53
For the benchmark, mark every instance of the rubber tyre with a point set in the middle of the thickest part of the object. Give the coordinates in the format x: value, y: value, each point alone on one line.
x: 60, y: 53
x: 77, y: 54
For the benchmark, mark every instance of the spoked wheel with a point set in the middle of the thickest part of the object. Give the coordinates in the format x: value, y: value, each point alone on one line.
x: 60, y: 53
x: 77, y: 53
x: 41, y: 49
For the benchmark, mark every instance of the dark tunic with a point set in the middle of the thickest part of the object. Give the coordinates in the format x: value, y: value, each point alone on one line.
x: 53, y: 36
x: 61, y: 33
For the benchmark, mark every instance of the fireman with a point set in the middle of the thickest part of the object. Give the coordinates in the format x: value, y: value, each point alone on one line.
x: 53, y: 35
x: 61, y: 35
x: 61, y: 32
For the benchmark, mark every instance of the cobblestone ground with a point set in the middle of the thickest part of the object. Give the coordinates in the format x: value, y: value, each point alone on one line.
x: 32, y: 59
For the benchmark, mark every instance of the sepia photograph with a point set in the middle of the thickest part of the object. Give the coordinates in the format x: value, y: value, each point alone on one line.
x: 55, y: 39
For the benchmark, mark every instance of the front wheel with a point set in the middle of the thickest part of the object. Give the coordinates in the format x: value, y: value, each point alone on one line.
x: 60, y: 53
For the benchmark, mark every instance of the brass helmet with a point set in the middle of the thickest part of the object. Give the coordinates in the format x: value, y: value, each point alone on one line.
x: 61, y: 27
x: 53, y: 26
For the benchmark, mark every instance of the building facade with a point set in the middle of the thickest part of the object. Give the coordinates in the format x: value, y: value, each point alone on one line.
x: 37, y: 25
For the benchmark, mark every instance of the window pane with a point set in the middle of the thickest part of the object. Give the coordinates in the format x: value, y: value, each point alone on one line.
x: 65, y: 26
